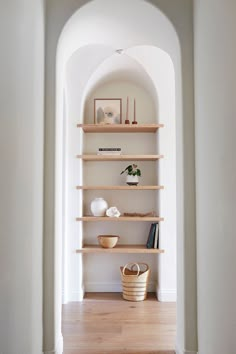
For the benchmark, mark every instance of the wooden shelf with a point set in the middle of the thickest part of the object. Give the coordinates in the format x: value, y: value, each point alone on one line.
x: 120, y: 157
x: 119, y: 249
x: 121, y: 218
x: 120, y: 188
x: 120, y: 128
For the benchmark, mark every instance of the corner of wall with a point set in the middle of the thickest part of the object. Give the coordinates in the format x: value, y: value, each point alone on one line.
x: 166, y: 295
x: 59, y: 347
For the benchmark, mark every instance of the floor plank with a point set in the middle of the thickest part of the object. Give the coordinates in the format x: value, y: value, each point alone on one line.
x: 104, y: 323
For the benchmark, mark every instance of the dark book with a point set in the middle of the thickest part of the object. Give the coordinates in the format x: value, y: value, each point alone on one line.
x: 109, y: 149
x: 151, y: 235
x: 156, y: 237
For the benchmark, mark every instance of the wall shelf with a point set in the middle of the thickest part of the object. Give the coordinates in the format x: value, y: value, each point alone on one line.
x: 120, y: 157
x: 121, y: 218
x: 119, y: 249
x: 127, y: 248
x: 120, y: 188
x: 120, y: 128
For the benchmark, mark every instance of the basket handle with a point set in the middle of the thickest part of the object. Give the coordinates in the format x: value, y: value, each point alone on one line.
x: 132, y: 265
x: 145, y: 264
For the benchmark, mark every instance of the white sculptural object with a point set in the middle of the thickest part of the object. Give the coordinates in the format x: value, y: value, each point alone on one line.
x: 113, y: 212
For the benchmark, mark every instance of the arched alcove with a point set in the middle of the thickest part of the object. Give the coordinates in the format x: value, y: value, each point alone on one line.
x: 153, y: 87
x: 81, y: 34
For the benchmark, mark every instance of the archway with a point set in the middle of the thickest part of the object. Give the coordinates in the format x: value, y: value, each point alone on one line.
x: 132, y: 68
x: 165, y: 39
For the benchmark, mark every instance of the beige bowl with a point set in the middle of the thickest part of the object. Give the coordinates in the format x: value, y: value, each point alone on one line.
x: 108, y: 241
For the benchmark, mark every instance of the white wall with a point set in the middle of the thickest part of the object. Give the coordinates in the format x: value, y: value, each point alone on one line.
x: 123, y: 88
x: 215, y: 58
x: 21, y: 177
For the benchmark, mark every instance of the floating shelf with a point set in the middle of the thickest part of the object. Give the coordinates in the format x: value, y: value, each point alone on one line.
x: 121, y: 218
x: 119, y: 157
x: 120, y: 188
x: 120, y: 128
x: 119, y: 249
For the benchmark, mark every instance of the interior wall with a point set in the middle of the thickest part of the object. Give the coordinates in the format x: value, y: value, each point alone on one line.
x: 21, y: 177
x: 145, y: 106
x: 215, y: 83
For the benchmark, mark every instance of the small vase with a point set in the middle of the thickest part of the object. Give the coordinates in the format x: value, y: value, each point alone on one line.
x: 98, y: 207
x: 132, y: 180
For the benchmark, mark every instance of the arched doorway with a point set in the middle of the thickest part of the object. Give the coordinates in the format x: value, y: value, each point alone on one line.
x: 125, y: 76
x: 165, y: 39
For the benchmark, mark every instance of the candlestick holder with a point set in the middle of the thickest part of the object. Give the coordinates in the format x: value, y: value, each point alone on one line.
x: 134, y: 121
x: 127, y: 112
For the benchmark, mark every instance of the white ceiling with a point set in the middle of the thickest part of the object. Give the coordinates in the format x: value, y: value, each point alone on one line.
x: 88, y: 44
x: 120, y: 67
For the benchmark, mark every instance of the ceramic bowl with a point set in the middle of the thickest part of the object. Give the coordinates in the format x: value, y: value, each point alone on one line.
x: 108, y: 241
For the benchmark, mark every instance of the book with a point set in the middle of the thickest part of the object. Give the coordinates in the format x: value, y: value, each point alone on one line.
x: 109, y: 153
x: 151, y: 235
x: 109, y: 149
x: 156, y: 237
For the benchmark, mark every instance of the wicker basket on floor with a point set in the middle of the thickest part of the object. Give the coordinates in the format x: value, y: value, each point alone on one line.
x: 135, y: 281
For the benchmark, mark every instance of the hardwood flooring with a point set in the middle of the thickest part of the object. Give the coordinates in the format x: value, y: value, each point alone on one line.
x: 104, y: 323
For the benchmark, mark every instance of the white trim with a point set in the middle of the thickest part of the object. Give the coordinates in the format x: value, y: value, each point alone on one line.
x: 64, y: 297
x: 166, y: 295
x: 73, y: 296
x: 111, y: 287
x: 178, y: 351
x: 59, y: 347
x: 103, y: 287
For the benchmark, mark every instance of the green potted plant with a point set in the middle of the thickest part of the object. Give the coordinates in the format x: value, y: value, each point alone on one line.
x: 133, y: 174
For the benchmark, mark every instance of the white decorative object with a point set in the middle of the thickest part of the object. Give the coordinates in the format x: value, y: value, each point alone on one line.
x: 132, y: 180
x: 98, y: 207
x: 113, y: 212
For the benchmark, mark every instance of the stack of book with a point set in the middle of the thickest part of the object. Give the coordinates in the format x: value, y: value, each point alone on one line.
x: 153, y: 236
x: 109, y: 151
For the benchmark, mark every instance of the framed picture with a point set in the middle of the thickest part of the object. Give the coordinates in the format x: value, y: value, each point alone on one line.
x: 107, y: 110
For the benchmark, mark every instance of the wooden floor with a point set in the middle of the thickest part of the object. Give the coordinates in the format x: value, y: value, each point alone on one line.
x: 104, y: 323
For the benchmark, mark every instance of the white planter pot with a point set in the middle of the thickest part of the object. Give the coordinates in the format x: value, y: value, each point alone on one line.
x: 132, y: 180
x: 98, y: 207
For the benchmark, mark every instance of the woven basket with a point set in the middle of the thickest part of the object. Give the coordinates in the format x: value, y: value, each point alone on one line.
x: 135, y: 281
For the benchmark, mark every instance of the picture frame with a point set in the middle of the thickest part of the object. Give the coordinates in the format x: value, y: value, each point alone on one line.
x: 107, y: 111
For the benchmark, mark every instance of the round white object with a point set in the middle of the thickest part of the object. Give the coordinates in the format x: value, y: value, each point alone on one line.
x: 98, y: 207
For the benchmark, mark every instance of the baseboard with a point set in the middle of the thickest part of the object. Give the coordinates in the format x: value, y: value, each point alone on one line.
x: 73, y: 296
x: 166, y: 295
x: 99, y: 287
x: 111, y: 287
x: 103, y: 287
x: 59, y: 347
x: 178, y: 351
